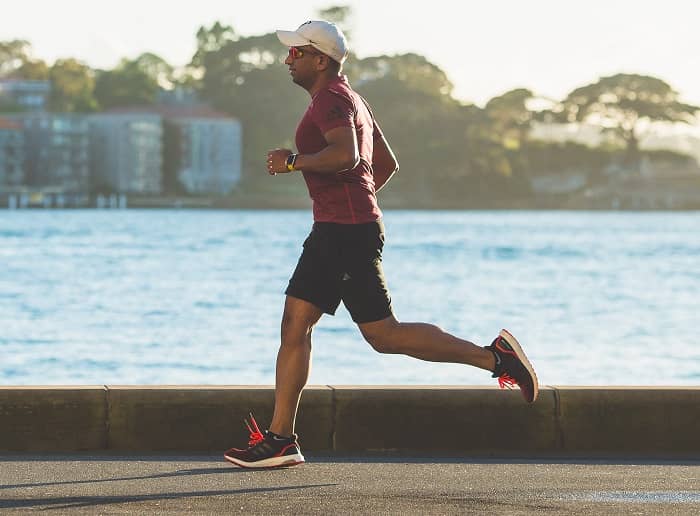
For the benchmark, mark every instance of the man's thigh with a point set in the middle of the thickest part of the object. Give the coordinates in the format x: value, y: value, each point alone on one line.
x: 317, y: 276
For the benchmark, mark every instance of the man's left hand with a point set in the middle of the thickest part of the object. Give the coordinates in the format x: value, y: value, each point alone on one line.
x: 276, y: 161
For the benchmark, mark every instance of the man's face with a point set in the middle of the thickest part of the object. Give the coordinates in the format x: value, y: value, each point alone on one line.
x: 303, y: 63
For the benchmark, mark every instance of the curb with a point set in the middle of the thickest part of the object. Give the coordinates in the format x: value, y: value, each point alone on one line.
x: 658, y: 422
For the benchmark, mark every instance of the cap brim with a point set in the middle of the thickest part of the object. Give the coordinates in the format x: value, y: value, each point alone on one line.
x: 291, y: 38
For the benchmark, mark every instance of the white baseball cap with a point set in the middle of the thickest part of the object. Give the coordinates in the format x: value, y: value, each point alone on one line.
x: 322, y: 35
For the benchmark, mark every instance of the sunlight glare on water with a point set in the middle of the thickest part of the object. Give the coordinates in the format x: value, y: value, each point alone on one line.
x: 195, y: 297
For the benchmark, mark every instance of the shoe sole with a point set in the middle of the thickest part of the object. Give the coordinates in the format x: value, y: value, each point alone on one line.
x: 513, y: 342
x: 272, y: 462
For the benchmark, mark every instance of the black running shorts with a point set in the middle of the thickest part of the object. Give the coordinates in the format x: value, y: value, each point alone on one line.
x: 344, y: 262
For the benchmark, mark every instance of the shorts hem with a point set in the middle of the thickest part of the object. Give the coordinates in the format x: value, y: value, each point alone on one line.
x: 324, y: 309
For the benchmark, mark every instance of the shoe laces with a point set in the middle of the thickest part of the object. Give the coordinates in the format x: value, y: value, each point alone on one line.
x: 256, y: 435
x: 505, y: 381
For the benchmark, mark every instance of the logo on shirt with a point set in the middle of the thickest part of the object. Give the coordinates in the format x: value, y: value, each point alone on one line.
x: 335, y: 113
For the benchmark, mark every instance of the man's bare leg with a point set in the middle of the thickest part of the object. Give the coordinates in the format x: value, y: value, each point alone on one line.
x: 424, y: 341
x: 293, y: 362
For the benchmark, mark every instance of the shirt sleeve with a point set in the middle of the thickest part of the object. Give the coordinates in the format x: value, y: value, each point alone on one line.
x: 377, y: 133
x: 331, y: 111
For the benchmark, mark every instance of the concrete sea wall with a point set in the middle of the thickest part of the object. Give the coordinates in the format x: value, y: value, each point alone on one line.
x: 660, y: 422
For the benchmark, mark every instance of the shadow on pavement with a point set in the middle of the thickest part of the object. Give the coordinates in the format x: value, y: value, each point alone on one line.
x: 74, y: 502
x: 179, y: 473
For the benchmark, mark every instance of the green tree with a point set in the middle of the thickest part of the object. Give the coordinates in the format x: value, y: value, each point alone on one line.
x: 620, y: 103
x: 72, y: 87
x: 211, y: 40
x: 447, y: 150
x: 12, y: 55
x: 131, y: 83
x: 157, y: 68
x: 510, y: 118
x: 33, y: 70
x: 413, y: 70
x: 424, y: 125
x: 16, y: 61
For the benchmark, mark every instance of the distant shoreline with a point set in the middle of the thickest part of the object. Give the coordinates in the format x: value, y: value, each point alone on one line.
x: 190, y: 207
x: 242, y: 201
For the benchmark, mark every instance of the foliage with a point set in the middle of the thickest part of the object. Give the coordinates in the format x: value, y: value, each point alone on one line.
x: 16, y: 62
x: 510, y: 118
x: 72, y: 87
x: 619, y: 103
x: 411, y: 70
x: 156, y: 68
x: 33, y: 70
x: 12, y: 55
x: 132, y: 83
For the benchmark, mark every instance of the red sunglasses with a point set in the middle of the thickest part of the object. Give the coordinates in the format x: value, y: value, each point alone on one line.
x: 298, y: 53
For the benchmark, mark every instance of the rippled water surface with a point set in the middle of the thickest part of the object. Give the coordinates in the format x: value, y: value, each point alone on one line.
x: 195, y: 297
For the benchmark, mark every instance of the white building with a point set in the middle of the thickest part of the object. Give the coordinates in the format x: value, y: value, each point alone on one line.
x: 29, y: 95
x: 56, y: 150
x: 126, y: 152
x: 11, y: 154
x: 204, y: 149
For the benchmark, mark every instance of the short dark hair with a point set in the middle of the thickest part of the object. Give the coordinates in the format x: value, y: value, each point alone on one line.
x: 334, y: 65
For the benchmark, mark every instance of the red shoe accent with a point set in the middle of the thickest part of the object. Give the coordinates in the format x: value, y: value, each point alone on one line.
x: 508, y: 347
x: 255, y: 434
x: 505, y: 381
x: 504, y: 350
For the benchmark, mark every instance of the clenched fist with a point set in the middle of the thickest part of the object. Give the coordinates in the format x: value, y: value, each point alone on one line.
x: 276, y: 161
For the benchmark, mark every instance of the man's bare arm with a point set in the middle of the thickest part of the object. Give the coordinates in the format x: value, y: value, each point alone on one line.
x: 341, y: 153
x: 384, y: 162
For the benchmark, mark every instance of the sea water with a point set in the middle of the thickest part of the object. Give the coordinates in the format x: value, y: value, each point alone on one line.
x: 195, y: 297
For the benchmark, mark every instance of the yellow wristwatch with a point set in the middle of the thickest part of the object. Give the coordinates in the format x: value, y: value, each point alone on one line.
x: 291, y: 161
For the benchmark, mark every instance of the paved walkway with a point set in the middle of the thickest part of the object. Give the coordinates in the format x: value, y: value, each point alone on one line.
x: 118, y: 485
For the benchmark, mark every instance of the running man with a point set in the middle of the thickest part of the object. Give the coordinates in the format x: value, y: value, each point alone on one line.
x: 345, y: 160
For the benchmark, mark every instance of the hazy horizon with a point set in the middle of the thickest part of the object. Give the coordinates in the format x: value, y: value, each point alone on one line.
x: 486, y: 48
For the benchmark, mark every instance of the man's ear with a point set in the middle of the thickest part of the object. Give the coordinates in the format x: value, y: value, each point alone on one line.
x: 323, y: 63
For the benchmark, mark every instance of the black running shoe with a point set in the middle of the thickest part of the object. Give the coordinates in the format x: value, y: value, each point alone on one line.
x: 266, y: 450
x: 513, y: 367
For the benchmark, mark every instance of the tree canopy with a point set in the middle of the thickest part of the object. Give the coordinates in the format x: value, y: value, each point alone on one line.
x: 619, y: 103
x: 510, y: 117
x: 16, y: 61
x: 132, y: 82
x: 12, y: 55
x: 72, y: 87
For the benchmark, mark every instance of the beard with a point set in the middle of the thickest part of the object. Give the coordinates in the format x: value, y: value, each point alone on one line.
x: 304, y: 81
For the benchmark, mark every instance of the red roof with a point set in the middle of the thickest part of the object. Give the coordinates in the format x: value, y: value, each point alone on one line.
x: 198, y: 111
x: 6, y: 123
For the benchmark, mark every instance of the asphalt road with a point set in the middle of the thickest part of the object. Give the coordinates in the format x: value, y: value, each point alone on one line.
x: 356, y: 485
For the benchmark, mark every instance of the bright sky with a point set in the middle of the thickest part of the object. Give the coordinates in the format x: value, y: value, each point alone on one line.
x: 486, y: 46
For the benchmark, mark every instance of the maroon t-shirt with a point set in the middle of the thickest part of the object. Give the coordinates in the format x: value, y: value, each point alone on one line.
x: 346, y: 197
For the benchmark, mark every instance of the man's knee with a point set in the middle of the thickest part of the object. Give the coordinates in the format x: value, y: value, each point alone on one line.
x: 298, y: 319
x: 293, y: 325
